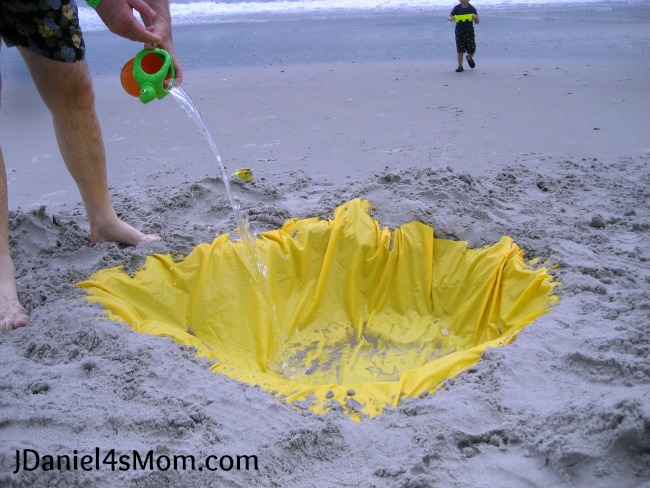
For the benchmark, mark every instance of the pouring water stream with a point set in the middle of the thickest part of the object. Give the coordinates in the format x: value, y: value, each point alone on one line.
x: 248, y: 239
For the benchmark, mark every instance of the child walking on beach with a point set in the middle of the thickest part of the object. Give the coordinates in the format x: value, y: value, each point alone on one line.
x: 464, y: 15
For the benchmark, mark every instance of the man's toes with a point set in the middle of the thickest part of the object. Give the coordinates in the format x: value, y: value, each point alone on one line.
x: 20, y: 320
x: 150, y: 238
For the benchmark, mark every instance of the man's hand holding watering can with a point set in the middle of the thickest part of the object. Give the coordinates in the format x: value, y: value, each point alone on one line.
x: 119, y: 17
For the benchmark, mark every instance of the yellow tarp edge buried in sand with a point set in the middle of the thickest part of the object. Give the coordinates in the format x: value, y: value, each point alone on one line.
x: 362, y: 316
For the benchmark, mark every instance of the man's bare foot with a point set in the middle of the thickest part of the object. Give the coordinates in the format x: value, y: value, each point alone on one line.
x: 12, y: 313
x: 120, y: 232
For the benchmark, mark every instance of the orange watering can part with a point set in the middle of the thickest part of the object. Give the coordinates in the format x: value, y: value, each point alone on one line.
x: 363, y: 317
x: 128, y: 81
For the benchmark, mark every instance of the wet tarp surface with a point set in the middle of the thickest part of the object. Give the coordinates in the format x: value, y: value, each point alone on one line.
x: 355, y: 316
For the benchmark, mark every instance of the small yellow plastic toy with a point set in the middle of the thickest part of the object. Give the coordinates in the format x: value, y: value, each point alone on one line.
x: 464, y: 18
x: 245, y: 174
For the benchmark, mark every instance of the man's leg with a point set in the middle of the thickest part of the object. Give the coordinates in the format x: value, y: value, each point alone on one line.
x: 66, y: 89
x: 12, y: 314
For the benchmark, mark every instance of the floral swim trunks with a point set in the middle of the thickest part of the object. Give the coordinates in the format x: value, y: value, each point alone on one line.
x: 47, y: 27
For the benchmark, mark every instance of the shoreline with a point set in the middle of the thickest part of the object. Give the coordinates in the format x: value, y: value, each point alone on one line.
x: 369, y: 92
x: 379, y: 37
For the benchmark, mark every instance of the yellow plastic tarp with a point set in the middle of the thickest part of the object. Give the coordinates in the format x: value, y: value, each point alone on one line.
x: 355, y: 315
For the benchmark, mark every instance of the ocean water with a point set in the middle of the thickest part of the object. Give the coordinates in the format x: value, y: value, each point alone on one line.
x: 186, y: 12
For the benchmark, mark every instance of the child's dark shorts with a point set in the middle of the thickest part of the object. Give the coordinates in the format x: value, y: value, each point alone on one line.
x: 47, y: 27
x: 465, y: 42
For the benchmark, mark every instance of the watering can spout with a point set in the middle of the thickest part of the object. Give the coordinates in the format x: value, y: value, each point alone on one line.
x: 147, y: 93
x: 146, y: 75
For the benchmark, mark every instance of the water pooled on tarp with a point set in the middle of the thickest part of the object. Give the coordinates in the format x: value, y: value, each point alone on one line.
x: 347, y: 354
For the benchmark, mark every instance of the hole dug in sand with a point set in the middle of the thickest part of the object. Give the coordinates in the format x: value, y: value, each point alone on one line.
x: 363, y: 316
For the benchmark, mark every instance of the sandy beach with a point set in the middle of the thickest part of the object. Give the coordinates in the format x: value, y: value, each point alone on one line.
x: 545, y: 141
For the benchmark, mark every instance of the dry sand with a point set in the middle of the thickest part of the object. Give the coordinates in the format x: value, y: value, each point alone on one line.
x: 546, y: 145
